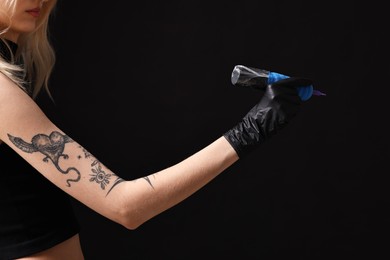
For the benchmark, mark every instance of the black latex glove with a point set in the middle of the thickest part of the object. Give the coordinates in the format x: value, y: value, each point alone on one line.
x: 277, y: 106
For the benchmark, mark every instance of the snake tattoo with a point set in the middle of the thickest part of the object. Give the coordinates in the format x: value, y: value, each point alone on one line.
x: 52, y: 146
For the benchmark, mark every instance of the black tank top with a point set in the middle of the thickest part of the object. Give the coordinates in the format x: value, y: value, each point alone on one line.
x: 34, y: 213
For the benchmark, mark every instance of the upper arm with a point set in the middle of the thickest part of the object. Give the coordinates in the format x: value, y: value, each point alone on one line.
x: 29, y: 132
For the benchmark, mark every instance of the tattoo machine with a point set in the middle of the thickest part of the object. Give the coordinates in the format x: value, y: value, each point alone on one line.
x: 243, y: 76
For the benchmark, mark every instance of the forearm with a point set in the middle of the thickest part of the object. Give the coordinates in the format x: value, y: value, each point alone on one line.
x: 142, y: 200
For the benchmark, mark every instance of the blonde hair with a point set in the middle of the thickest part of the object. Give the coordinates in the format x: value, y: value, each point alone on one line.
x: 34, y: 48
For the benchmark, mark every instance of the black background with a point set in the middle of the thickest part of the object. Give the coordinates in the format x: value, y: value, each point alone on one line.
x: 143, y: 87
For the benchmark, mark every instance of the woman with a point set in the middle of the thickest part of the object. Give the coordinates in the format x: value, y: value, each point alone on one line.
x: 41, y: 165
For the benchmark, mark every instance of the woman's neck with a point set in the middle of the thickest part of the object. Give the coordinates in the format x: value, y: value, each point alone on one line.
x: 11, y: 36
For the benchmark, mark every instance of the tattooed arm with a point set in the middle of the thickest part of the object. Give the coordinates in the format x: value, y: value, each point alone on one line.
x: 63, y: 161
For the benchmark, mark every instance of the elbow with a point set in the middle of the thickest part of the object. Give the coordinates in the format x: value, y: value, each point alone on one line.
x: 130, y: 218
x: 130, y: 211
x: 130, y: 224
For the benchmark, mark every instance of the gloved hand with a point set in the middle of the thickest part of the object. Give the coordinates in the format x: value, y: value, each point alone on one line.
x: 277, y: 106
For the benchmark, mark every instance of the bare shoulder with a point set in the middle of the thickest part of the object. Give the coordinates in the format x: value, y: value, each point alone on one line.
x: 18, y: 111
x: 9, y: 90
x: 5, y: 82
x: 12, y: 97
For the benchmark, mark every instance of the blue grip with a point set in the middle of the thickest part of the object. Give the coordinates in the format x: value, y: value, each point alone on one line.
x: 304, y: 92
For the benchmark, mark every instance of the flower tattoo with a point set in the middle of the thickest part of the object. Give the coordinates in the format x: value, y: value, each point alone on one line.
x: 99, y: 176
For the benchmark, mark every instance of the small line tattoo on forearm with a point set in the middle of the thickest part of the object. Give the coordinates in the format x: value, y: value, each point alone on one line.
x: 52, y: 146
x: 149, y: 181
x: 116, y: 182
